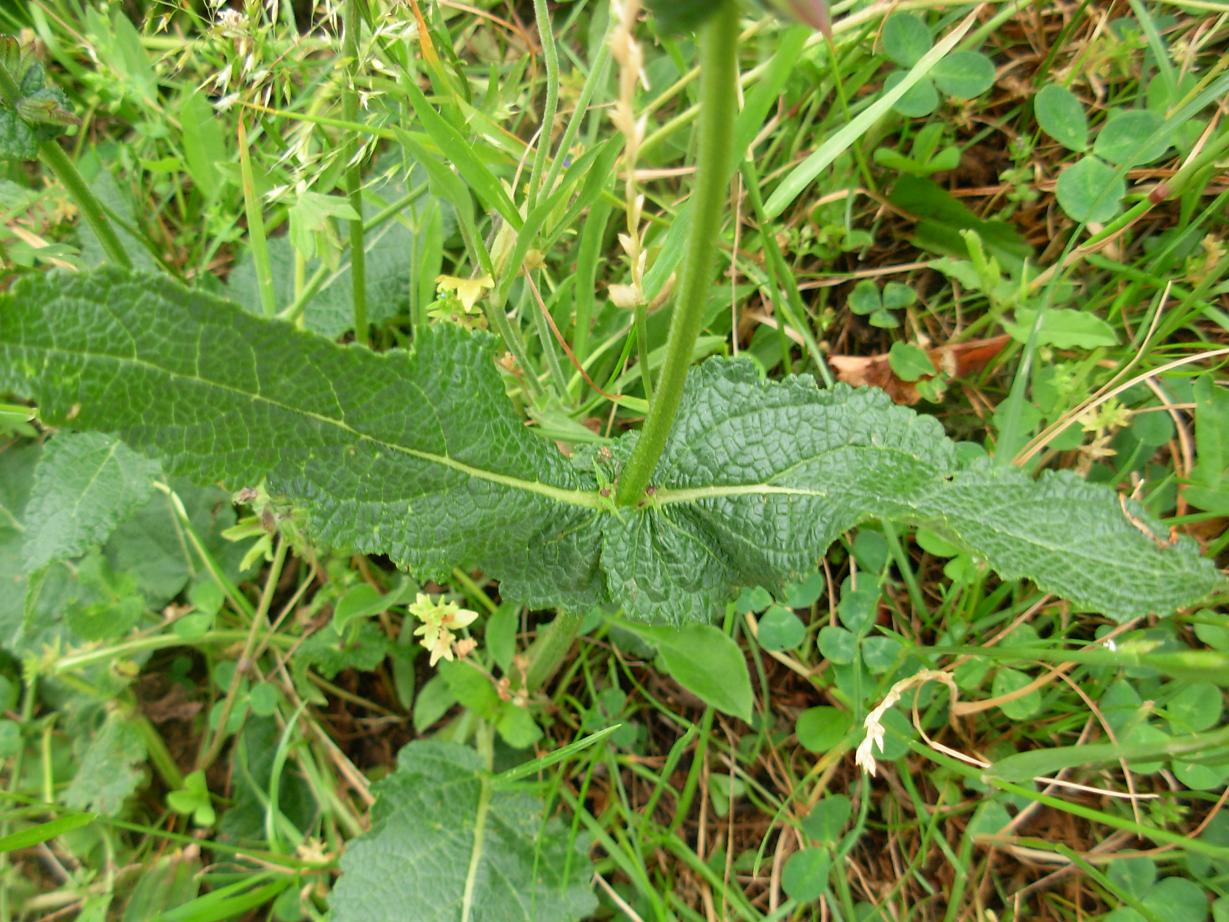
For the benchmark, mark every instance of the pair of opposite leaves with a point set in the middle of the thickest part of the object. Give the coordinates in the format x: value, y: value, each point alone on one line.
x: 423, y: 457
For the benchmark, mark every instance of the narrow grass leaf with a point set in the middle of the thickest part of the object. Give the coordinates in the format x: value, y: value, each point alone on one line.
x: 453, y: 146
x: 806, y: 172
x: 27, y: 838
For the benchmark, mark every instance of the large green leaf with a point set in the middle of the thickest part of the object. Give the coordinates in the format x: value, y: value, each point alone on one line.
x: 84, y: 485
x: 111, y: 767
x: 16, y: 477
x: 421, y: 456
x: 446, y: 844
x: 418, y: 456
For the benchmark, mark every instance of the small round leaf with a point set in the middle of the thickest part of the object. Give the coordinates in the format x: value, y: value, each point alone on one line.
x: 897, y: 295
x: 1131, y: 138
x: 1007, y: 681
x: 900, y: 730
x: 1200, y: 777
x: 1060, y: 115
x: 805, y: 876
x: 806, y: 593
x: 905, y: 39
x: 1195, y: 708
x: 820, y: 728
x: 753, y: 598
x: 828, y: 818
x: 870, y: 549
x: 837, y: 645
x: 264, y: 698
x: 964, y: 74
x: 517, y: 727
x: 989, y: 819
x: 1178, y: 900
x: 858, y: 607
x: 1090, y: 190
x: 921, y: 100
x: 880, y: 653
x: 1134, y: 875
x: 781, y: 629
x: 909, y: 363
x: 1146, y: 737
x: 864, y: 299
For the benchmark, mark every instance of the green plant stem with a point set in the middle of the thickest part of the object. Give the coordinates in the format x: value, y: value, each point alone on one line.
x: 486, y: 748
x: 58, y: 162
x: 354, y: 179
x: 550, y: 55
x: 498, y: 320
x: 159, y: 755
x: 551, y: 648
x: 14, y: 782
x: 718, y: 95
x: 259, y: 620
x: 68, y: 664
x: 596, y: 77
x: 65, y: 170
x: 550, y: 349
x: 792, y: 308
x: 642, y: 349
x: 682, y: 807
x: 256, y: 227
x: 906, y: 571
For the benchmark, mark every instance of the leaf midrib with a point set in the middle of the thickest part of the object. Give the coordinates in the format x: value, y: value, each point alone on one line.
x: 583, y: 498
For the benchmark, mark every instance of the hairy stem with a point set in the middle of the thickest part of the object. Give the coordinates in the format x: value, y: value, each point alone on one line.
x: 718, y: 94
x: 551, y: 648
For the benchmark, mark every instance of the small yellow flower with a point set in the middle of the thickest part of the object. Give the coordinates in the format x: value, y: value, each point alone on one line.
x: 439, y: 620
x: 468, y: 291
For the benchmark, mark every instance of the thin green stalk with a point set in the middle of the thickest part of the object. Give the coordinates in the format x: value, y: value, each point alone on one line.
x: 792, y: 308
x: 718, y: 95
x: 15, y: 776
x: 159, y: 754
x: 542, y: 326
x: 57, y: 161
x: 550, y: 54
x: 597, y: 75
x: 65, y: 170
x: 498, y: 320
x: 486, y: 744
x: 642, y: 349
x: 682, y: 807
x: 256, y: 227
x: 906, y: 571
x: 354, y: 179
x: 68, y: 664
x: 591, y: 236
x: 259, y: 620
